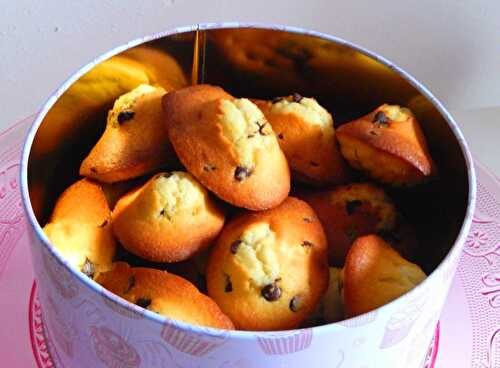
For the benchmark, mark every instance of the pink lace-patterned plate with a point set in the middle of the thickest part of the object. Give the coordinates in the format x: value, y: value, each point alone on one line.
x: 468, y: 334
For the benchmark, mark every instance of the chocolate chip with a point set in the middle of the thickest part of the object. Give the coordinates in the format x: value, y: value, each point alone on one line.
x: 307, y: 243
x: 308, y: 219
x: 250, y: 136
x: 295, y: 303
x: 381, y: 118
x: 241, y: 173
x: 235, y: 245
x: 125, y: 116
x: 350, y: 206
x: 143, y: 302
x: 297, y: 97
x: 94, y: 170
x: 372, y: 132
x: 229, y: 285
x: 131, y: 283
x: 313, y: 163
x: 88, y: 268
x: 271, y: 292
x: 280, y: 136
x: 261, y: 127
x: 209, y: 167
x: 104, y: 223
x: 164, y: 213
x: 277, y: 99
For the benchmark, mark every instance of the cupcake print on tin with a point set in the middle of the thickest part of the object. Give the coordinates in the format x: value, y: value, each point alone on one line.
x: 361, y: 320
x: 112, y: 349
x: 192, y: 343
x: 62, y: 329
x: 401, y: 322
x: 60, y: 277
x: 283, y: 343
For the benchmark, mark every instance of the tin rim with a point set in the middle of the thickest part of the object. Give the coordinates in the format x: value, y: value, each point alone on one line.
x: 112, y: 298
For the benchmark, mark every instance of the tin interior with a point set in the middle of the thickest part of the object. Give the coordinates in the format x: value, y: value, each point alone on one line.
x: 264, y: 63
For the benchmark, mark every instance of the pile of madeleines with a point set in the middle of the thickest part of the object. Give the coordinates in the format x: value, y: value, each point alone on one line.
x: 185, y: 208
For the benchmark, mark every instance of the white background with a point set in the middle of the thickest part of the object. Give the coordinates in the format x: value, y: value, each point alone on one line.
x: 452, y: 46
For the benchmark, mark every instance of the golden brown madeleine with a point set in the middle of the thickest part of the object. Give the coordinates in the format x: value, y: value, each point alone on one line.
x: 228, y: 145
x: 269, y: 270
x: 307, y: 137
x: 135, y: 141
x: 350, y: 211
x: 168, y: 219
x: 164, y: 293
x: 375, y: 274
x: 80, y: 228
x: 333, y: 305
x: 388, y: 145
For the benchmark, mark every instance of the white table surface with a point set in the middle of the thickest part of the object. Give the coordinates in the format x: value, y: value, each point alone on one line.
x: 451, y: 46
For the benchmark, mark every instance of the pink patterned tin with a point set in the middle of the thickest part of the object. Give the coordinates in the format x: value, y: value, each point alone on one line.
x: 286, y: 342
x: 90, y: 327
